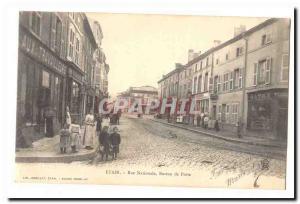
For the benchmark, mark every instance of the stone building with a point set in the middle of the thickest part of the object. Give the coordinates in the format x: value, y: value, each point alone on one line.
x: 55, y: 69
x: 143, y: 94
x: 101, y: 68
x: 242, y: 82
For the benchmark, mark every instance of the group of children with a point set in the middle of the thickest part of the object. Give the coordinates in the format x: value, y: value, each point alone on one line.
x: 109, y: 140
x: 109, y: 143
x: 69, y: 137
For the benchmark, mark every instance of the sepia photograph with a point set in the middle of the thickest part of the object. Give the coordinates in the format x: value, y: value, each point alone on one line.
x: 152, y: 100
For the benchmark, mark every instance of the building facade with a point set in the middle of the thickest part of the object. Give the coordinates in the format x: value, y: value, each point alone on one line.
x: 55, y: 68
x: 143, y: 94
x: 243, y: 82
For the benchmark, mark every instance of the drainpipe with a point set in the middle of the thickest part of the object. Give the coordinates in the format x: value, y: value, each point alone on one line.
x: 244, y: 85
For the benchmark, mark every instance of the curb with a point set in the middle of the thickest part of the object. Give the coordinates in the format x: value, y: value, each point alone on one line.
x: 218, y: 136
x: 56, y: 159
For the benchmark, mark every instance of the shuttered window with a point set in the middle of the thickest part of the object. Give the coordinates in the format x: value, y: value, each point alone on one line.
x: 285, y: 67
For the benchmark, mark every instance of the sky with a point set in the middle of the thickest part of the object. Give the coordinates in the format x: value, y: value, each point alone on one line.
x: 141, y: 48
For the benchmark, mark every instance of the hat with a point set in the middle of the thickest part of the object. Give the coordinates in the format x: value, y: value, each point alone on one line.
x: 115, y: 129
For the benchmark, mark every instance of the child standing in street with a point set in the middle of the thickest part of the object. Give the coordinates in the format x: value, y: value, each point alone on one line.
x: 115, y: 142
x: 64, y: 138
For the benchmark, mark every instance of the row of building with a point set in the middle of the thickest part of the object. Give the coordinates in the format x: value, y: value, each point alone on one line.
x: 61, y: 66
x: 241, y: 81
x: 142, y: 94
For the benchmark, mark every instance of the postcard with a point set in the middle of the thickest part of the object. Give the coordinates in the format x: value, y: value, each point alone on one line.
x: 152, y: 100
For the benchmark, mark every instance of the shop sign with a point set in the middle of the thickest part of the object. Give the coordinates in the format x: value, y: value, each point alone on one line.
x: 35, y: 48
x: 259, y: 96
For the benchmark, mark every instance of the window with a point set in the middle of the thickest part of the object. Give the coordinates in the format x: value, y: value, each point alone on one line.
x: 200, y: 65
x: 199, y: 83
x: 207, y: 61
x: 262, y: 72
x: 58, y: 32
x: 196, y: 67
x: 217, y: 61
x: 239, y: 51
x: 285, y: 67
x: 226, y: 82
x: 195, y: 85
x: 235, y: 107
x: 266, y: 39
x: 205, y: 82
x: 46, y: 79
x: 231, y: 81
x: 227, y: 114
x: 35, y: 23
x: 71, y: 43
x: 241, y: 78
x: 77, y: 48
x: 227, y: 56
x: 236, y: 78
x: 219, y: 84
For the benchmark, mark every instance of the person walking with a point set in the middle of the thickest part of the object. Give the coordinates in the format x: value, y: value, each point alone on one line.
x: 115, y: 139
x: 89, y: 133
x: 104, y: 143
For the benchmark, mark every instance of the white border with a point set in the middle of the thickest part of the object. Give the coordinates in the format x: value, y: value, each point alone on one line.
x: 9, y: 36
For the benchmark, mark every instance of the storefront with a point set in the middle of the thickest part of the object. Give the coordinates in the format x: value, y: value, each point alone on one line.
x: 75, y: 93
x: 41, y: 75
x: 268, y: 112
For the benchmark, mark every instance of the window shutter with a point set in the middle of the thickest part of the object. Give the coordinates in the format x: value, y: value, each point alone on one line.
x: 211, y: 84
x: 53, y: 31
x: 241, y: 78
x: 268, y: 71
x: 255, y: 74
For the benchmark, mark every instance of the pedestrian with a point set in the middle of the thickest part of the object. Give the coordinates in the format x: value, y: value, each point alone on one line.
x: 104, y: 143
x: 198, y: 120
x: 64, y: 138
x: 115, y: 140
x: 206, y: 119
x: 118, y: 116
x: 90, y: 131
x: 75, y: 137
x: 239, y: 129
x: 99, y: 124
x: 217, y: 128
x: 68, y: 116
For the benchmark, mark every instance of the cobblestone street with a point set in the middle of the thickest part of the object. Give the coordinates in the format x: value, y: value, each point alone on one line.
x: 151, y: 145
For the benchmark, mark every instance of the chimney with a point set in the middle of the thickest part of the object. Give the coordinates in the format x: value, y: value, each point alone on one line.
x: 190, y: 55
x: 217, y: 42
x: 239, y: 30
x: 178, y: 65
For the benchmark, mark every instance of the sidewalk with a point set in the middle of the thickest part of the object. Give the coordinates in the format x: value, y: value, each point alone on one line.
x: 47, y: 150
x: 225, y: 135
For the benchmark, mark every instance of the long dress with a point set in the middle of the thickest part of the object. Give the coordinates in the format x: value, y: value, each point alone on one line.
x: 90, y: 131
